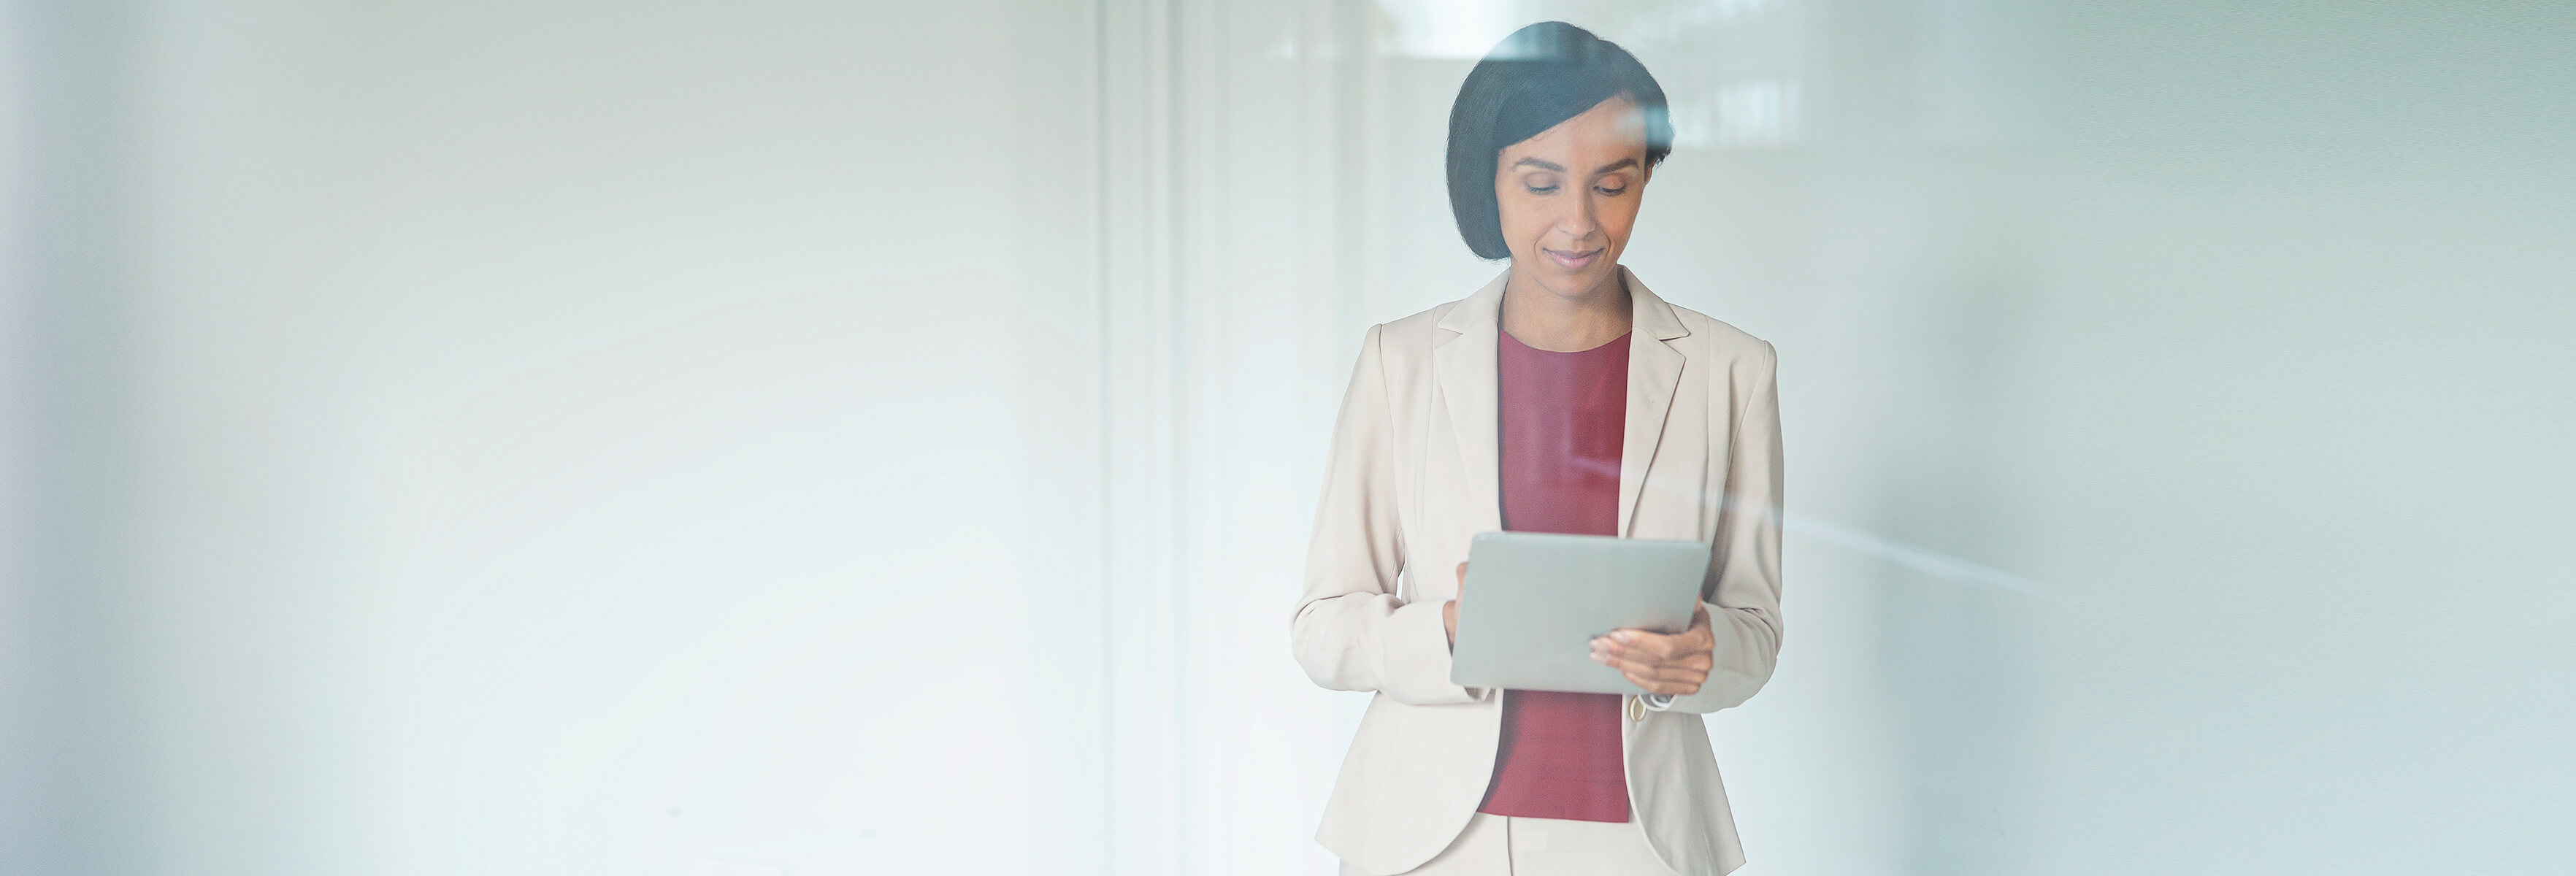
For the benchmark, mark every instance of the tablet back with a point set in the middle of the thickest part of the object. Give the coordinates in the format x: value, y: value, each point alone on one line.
x: 1534, y: 601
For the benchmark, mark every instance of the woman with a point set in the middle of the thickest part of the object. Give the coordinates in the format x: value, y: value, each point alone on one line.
x: 1562, y: 397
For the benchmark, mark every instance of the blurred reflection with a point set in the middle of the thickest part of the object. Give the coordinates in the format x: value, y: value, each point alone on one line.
x: 491, y: 437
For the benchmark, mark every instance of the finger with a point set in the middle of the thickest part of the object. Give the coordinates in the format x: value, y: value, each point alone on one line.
x: 1654, y: 685
x: 1692, y: 672
x: 1608, y: 649
x: 1663, y: 676
x: 1609, y: 646
x: 1669, y: 687
x: 1660, y: 671
x: 1686, y: 643
x: 1665, y: 683
x: 1610, y: 653
x: 1658, y: 644
x: 1643, y: 641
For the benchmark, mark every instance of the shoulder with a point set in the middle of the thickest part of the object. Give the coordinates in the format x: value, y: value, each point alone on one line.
x: 1408, y: 341
x: 1724, y: 344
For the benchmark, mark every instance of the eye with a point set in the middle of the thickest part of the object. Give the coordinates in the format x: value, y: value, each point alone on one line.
x: 1606, y: 190
x: 1542, y: 190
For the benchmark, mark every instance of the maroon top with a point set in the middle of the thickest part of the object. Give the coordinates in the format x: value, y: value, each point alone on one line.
x: 1563, y: 415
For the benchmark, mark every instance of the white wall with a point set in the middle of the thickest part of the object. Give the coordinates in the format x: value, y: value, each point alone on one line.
x: 814, y: 438
x: 581, y: 438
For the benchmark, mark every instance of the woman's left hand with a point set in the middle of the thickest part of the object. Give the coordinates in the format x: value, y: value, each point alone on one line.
x: 1675, y: 664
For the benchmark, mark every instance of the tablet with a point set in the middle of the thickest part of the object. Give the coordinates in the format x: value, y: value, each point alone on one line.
x: 1534, y: 601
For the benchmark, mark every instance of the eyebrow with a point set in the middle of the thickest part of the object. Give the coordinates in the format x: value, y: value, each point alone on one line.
x: 1559, y: 168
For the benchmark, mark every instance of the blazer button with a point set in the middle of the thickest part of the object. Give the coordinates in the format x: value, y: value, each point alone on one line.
x: 1637, y: 709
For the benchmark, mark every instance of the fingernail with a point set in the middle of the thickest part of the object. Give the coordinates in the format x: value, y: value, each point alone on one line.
x: 1622, y: 635
x: 1597, y: 657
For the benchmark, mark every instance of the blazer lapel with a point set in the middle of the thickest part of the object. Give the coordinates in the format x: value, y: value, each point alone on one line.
x: 1654, y: 370
x: 1465, y: 364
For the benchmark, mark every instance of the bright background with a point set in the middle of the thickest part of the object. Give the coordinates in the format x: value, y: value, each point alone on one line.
x: 804, y: 437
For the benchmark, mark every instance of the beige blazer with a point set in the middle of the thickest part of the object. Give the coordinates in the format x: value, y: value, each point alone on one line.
x: 1413, y: 476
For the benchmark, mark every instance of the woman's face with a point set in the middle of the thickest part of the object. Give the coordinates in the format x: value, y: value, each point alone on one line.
x: 1569, y: 197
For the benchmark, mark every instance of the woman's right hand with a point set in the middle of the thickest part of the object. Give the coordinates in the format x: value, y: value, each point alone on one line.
x: 1449, y: 610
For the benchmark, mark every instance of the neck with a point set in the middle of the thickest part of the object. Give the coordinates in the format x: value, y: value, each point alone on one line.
x: 1563, y: 323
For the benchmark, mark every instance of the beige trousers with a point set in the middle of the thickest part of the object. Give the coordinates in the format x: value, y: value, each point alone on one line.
x: 1501, y: 845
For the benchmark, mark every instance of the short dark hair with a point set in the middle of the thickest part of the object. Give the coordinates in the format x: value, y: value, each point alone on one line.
x: 1533, y: 80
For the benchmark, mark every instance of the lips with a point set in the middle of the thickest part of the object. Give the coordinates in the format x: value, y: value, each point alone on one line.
x: 1572, y: 261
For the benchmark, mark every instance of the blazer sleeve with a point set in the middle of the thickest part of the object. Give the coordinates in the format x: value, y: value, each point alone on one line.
x: 1743, y: 590
x: 1350, y: 632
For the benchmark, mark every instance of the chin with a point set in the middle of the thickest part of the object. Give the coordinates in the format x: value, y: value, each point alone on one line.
x: 1579, y: 285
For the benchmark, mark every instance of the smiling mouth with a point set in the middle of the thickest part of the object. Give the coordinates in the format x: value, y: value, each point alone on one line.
x: 1572, y: 261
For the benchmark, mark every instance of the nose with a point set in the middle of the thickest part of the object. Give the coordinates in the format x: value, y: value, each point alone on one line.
x: 1579, y: 223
